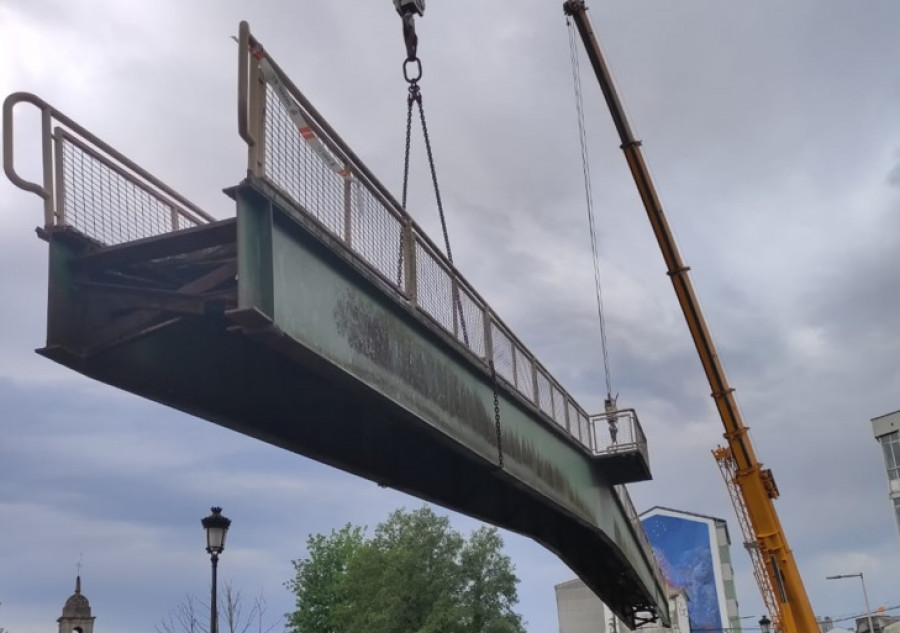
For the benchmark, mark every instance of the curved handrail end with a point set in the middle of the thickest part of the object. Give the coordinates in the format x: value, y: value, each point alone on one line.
x: 9, y: 167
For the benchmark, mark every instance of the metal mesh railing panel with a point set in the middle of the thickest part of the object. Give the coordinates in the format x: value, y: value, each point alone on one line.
x: 559, y: 406
x: 294, y: 167
x: 376, y: 234
x: 108, y: 205
x: 544, y: 394
x: 524, y: 373
x: 503, y: 352
x: 471, y: 322
x: 434, y: 287
x: 585, y: 423
x: 346, y: 208
x: 574, y: 427
x: 584, y: 429
x: 613, y: 437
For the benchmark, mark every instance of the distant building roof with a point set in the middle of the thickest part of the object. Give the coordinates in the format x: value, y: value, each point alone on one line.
x: 685, y: 513
x: 575, y: 582
x: 885, y: 424
x: 77, y: 606
x: 692, y: 514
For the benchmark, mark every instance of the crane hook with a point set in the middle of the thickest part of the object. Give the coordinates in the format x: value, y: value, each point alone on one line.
x: 408, y: 10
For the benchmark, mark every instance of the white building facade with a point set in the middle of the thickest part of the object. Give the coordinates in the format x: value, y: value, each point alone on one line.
x: 580, y: 611
x: 886, y: 429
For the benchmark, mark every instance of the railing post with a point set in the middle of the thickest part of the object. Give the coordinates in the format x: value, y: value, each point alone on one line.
x: 488, y: 338
x: 552, y: 400
x: 256, y: 154
x: 348, y: 206
x: 456, y: 303
x: 536, y: 396
x: 47, y: 150
x: 409, y: 256
x: 59, y: 193
x: 243, y: 83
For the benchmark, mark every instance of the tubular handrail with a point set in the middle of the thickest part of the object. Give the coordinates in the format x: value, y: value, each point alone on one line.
x: 45, y: 191
x: 633, y: 437
x: 638, y: 528
x: 243, y: 80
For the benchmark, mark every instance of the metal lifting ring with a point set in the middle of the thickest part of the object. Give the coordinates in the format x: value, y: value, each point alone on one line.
x: 418, y: 63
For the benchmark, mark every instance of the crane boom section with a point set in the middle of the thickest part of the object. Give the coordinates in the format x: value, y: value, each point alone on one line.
x: 755, y: 484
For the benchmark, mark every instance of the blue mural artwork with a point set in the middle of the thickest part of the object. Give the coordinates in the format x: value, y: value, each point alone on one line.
x: 683, y: 550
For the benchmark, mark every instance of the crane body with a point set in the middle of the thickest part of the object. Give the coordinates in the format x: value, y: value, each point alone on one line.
x: 755, y: 485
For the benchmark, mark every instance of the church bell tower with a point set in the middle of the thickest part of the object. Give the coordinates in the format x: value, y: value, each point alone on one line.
x: 76, y: 614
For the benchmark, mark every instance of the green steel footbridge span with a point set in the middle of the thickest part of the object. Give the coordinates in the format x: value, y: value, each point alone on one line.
x: 321, y: 319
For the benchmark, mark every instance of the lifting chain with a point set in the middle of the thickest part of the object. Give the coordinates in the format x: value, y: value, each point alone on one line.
x: 412, y: 73
x: 497, y: 415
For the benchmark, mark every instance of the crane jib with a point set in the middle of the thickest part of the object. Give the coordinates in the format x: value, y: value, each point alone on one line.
x: 755, y: 487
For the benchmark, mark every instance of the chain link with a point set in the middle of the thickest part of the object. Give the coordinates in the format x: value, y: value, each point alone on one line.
x: 497, y: 415
x: 415, y: 96
x: 434, y: 180
x: 413, y: 87
x: 413, y: 93
x: 457, y: 301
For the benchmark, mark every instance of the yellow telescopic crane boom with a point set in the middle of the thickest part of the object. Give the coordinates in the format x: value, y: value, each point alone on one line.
x: 756, y: 486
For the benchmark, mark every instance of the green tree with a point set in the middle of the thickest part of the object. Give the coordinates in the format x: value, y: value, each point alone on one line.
x: 490, y: 581
x: 319, y: 579
x: 415, y: 575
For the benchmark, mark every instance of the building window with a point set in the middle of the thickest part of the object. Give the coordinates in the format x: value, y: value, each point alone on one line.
x: 890, y: 443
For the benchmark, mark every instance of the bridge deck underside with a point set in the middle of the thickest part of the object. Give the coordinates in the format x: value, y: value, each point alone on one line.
x: 175, y: 327
x: 284, y: 399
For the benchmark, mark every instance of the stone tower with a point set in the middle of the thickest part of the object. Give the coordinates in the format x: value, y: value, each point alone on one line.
x: 76, y: 614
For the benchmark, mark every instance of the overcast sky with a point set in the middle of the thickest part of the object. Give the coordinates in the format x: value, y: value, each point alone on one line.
x: 772, y: 130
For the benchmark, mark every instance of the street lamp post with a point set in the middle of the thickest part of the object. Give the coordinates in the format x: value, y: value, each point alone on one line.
x: 216, y: 527
x: 765, y: 624
x: 865, y: 594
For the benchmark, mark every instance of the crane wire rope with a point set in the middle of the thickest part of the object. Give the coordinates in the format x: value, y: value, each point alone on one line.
x: 589, y: 200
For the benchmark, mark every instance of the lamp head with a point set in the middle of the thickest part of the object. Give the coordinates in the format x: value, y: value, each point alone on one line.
x: 216, y: 527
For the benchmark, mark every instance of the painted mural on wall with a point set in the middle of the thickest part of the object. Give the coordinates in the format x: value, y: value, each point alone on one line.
x: 683, y: 549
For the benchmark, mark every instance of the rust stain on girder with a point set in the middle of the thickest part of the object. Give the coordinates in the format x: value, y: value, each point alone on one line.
x: 391, y: 346
x: 525, y: 452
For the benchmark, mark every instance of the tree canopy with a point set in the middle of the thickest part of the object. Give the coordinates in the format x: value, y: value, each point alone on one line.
x: 416, y: 574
